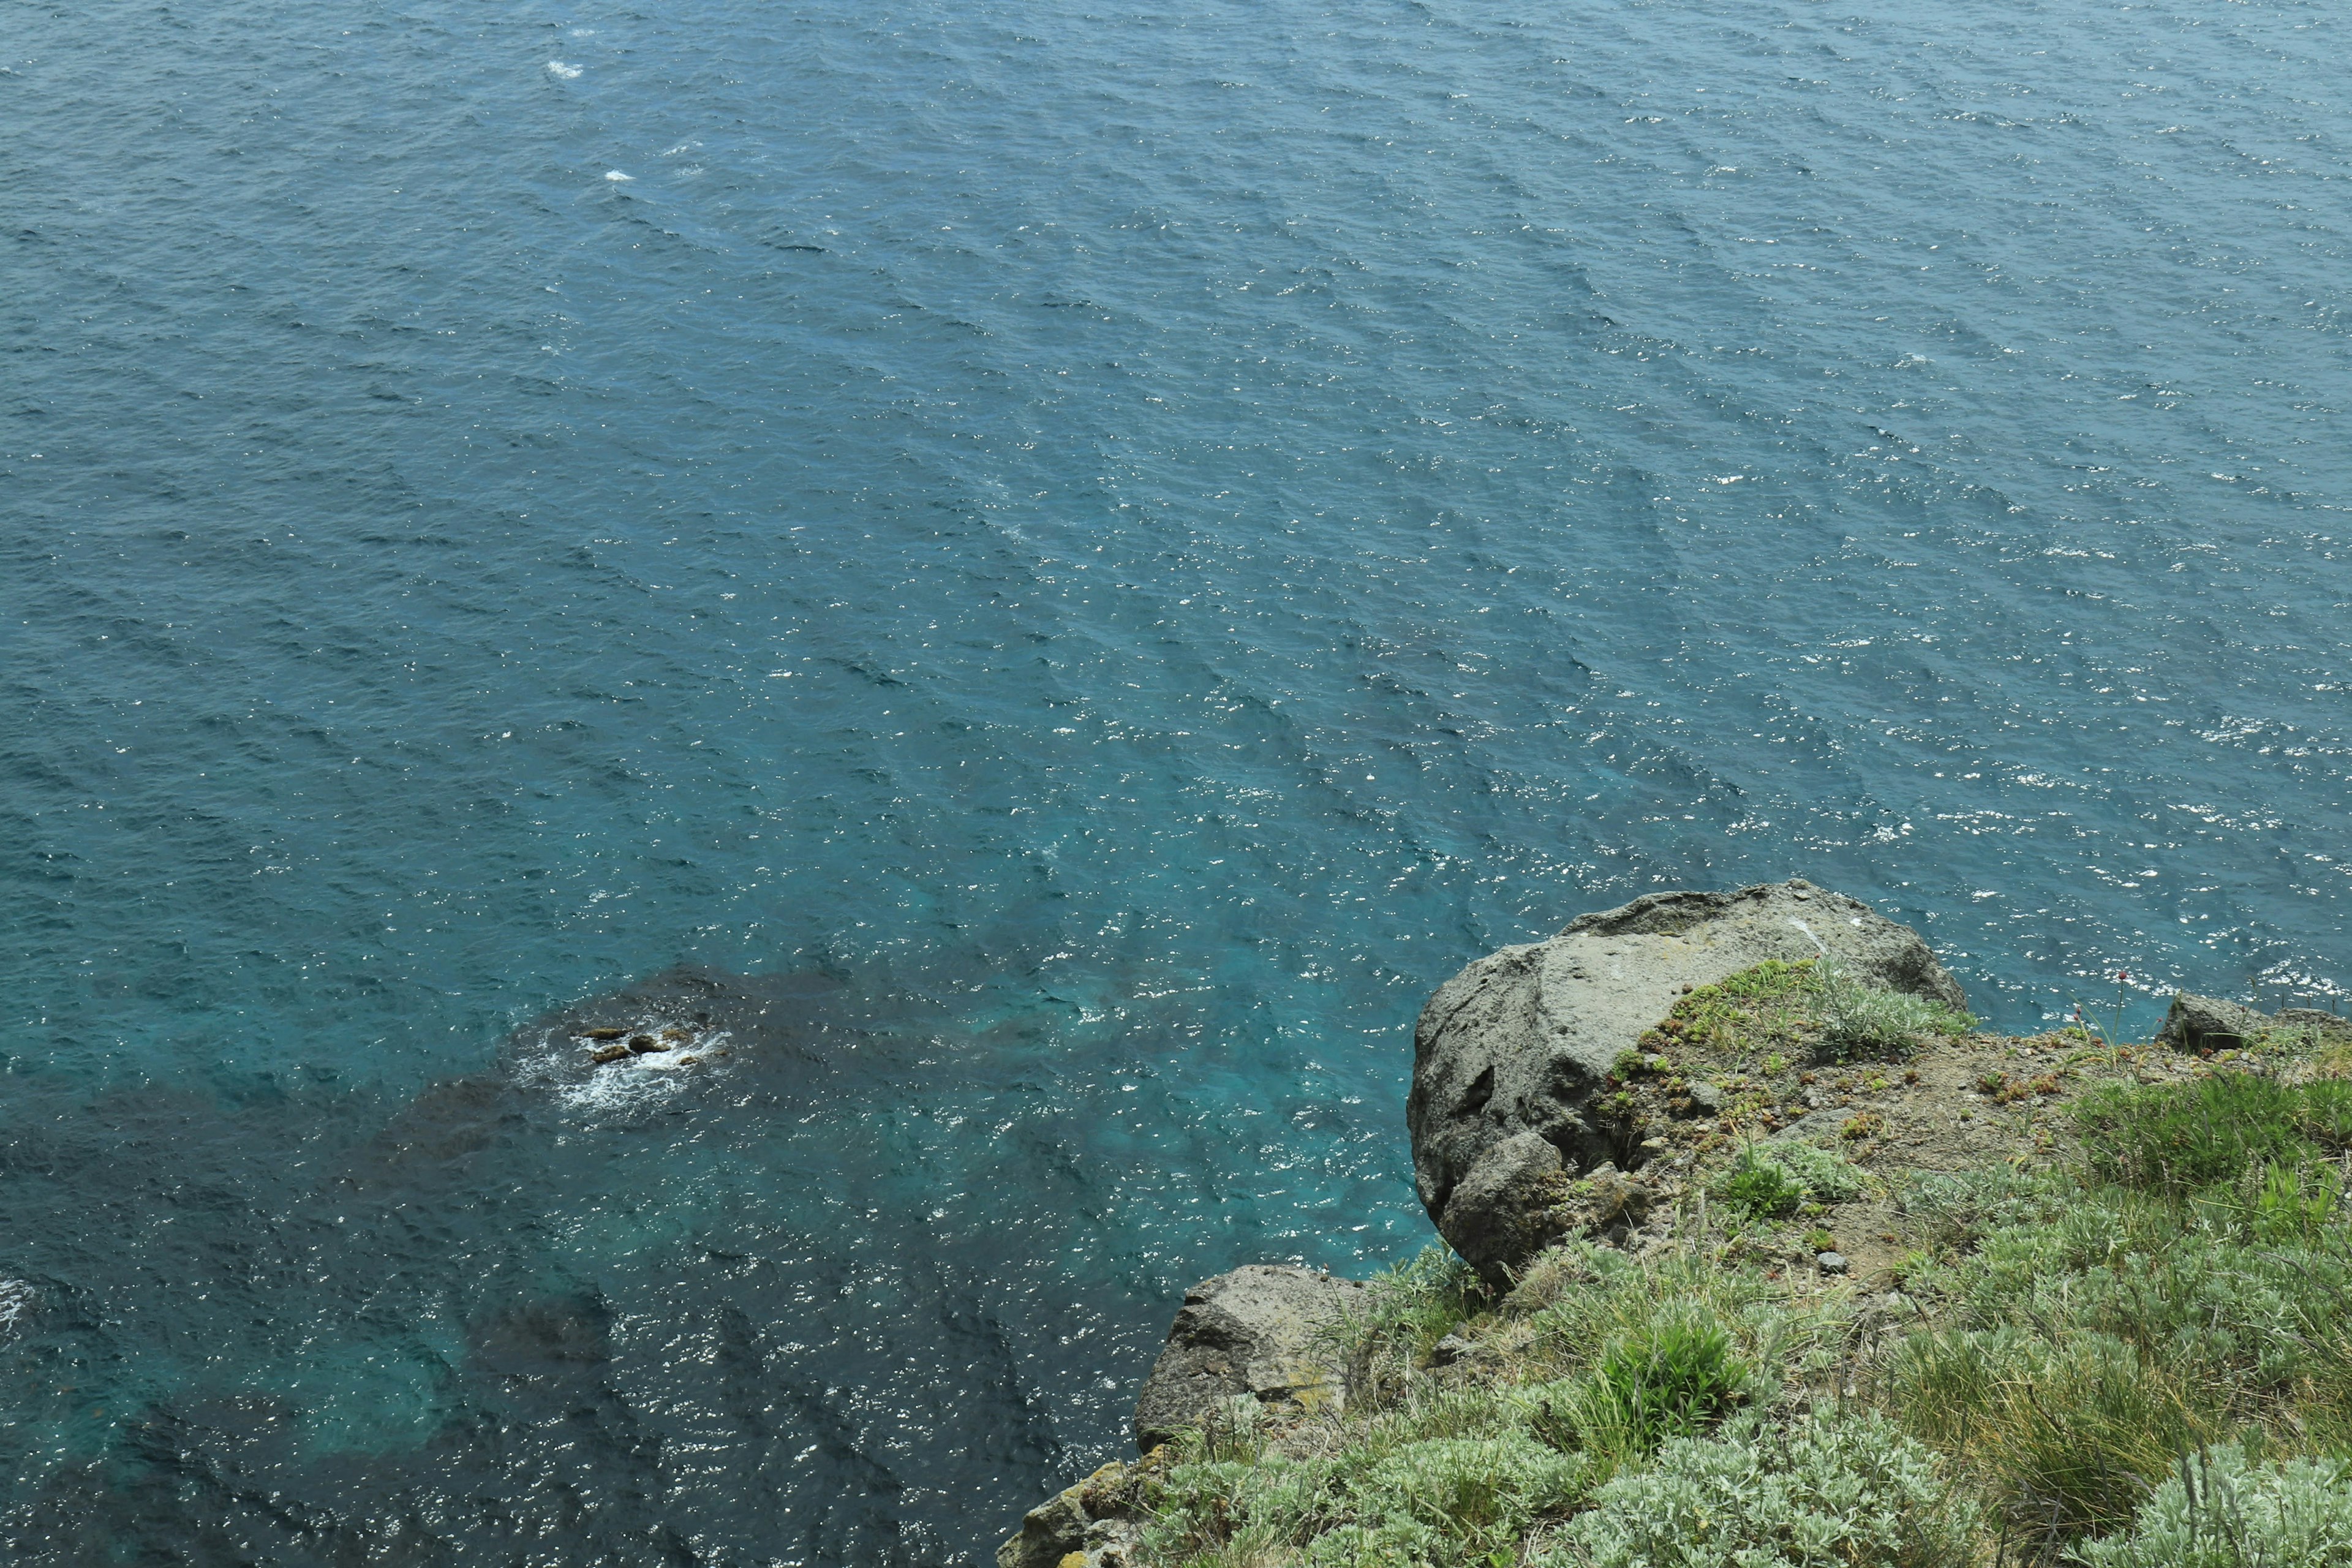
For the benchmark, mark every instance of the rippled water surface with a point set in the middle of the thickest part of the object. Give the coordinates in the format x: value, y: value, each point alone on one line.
x: 1035, y: 577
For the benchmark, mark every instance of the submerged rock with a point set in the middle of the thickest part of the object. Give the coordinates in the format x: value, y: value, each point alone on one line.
x: 1258, y: 1331
x: 1512, y: 1056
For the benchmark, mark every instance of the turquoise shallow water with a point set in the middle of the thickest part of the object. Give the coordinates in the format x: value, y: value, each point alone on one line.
x: 1068, y: 566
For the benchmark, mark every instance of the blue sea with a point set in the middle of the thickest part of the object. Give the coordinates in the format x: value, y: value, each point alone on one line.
x: 1034, y: 577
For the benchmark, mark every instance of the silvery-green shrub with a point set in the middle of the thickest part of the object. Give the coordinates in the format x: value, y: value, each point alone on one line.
x: 1860, y: 1020
x: 2224, y: 1510
x: 1823, y: 1490
x: 1475, y: 1491
x: 1398, y: 1543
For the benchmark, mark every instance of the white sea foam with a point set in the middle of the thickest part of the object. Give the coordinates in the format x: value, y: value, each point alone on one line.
x: 15, y: 1301
x: 562, y: 72
x: 616, y: 176
x: 557, y: 1067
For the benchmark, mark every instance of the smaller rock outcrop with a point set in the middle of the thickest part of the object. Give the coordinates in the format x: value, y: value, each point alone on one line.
x: 1262, y: 1330
x: 1049, y: 1532
x: 1091, y: 1525
x: 2208, y: 1023
x: 1265, y: 1332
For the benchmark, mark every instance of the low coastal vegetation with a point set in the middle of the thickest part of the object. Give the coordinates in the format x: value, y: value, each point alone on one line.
x: 2117, y: 1335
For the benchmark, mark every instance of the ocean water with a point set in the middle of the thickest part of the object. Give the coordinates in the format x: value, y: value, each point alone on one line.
x: 1035, y: 577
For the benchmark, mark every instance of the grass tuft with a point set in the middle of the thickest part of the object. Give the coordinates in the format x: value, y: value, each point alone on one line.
x: 1409, y: 1308
x: 2179, y: 1137
x: 1769, y: 1181
x: 2222, y: 1508
x: 1863, y: 1022
x: 1672, y: 1379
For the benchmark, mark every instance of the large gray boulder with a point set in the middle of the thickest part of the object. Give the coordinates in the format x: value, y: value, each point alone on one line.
x: 1264, y: 1330
x: 1510, y: 1054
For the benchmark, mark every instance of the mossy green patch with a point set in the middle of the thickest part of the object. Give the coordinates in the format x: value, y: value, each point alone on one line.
x: 1744, y: 1017
x: 1775, y: 1012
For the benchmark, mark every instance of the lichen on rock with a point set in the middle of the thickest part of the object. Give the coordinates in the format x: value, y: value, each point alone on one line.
x: 1264, y: 1331
x: 1094, y: 1524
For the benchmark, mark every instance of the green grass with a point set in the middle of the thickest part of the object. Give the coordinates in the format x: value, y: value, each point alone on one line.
x: 1760, y: 1189
x: 1863, y: 1022
x: 1752, y: 1014
x: 1674, y: 1379
x: 2182, y: 1138
x: 1753, y: 1036
x: 1411, y: 1307
x: 2140, y: 1358
x: 1593, y: 1363
x: 1776, y: 1012
x: 2190, y: 1284
x: 1769, y: 1181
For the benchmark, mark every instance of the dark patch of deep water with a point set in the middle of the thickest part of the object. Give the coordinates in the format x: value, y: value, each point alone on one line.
x: 1068, y: 568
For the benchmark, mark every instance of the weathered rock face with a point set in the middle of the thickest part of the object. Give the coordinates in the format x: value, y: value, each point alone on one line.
x: 1091, y: 1525
x: 1511, y: 1054
x: 2197, y: 1023
x: 2208, y: 1023
x: 1049, y: 1532
x: 1257, y: 1330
